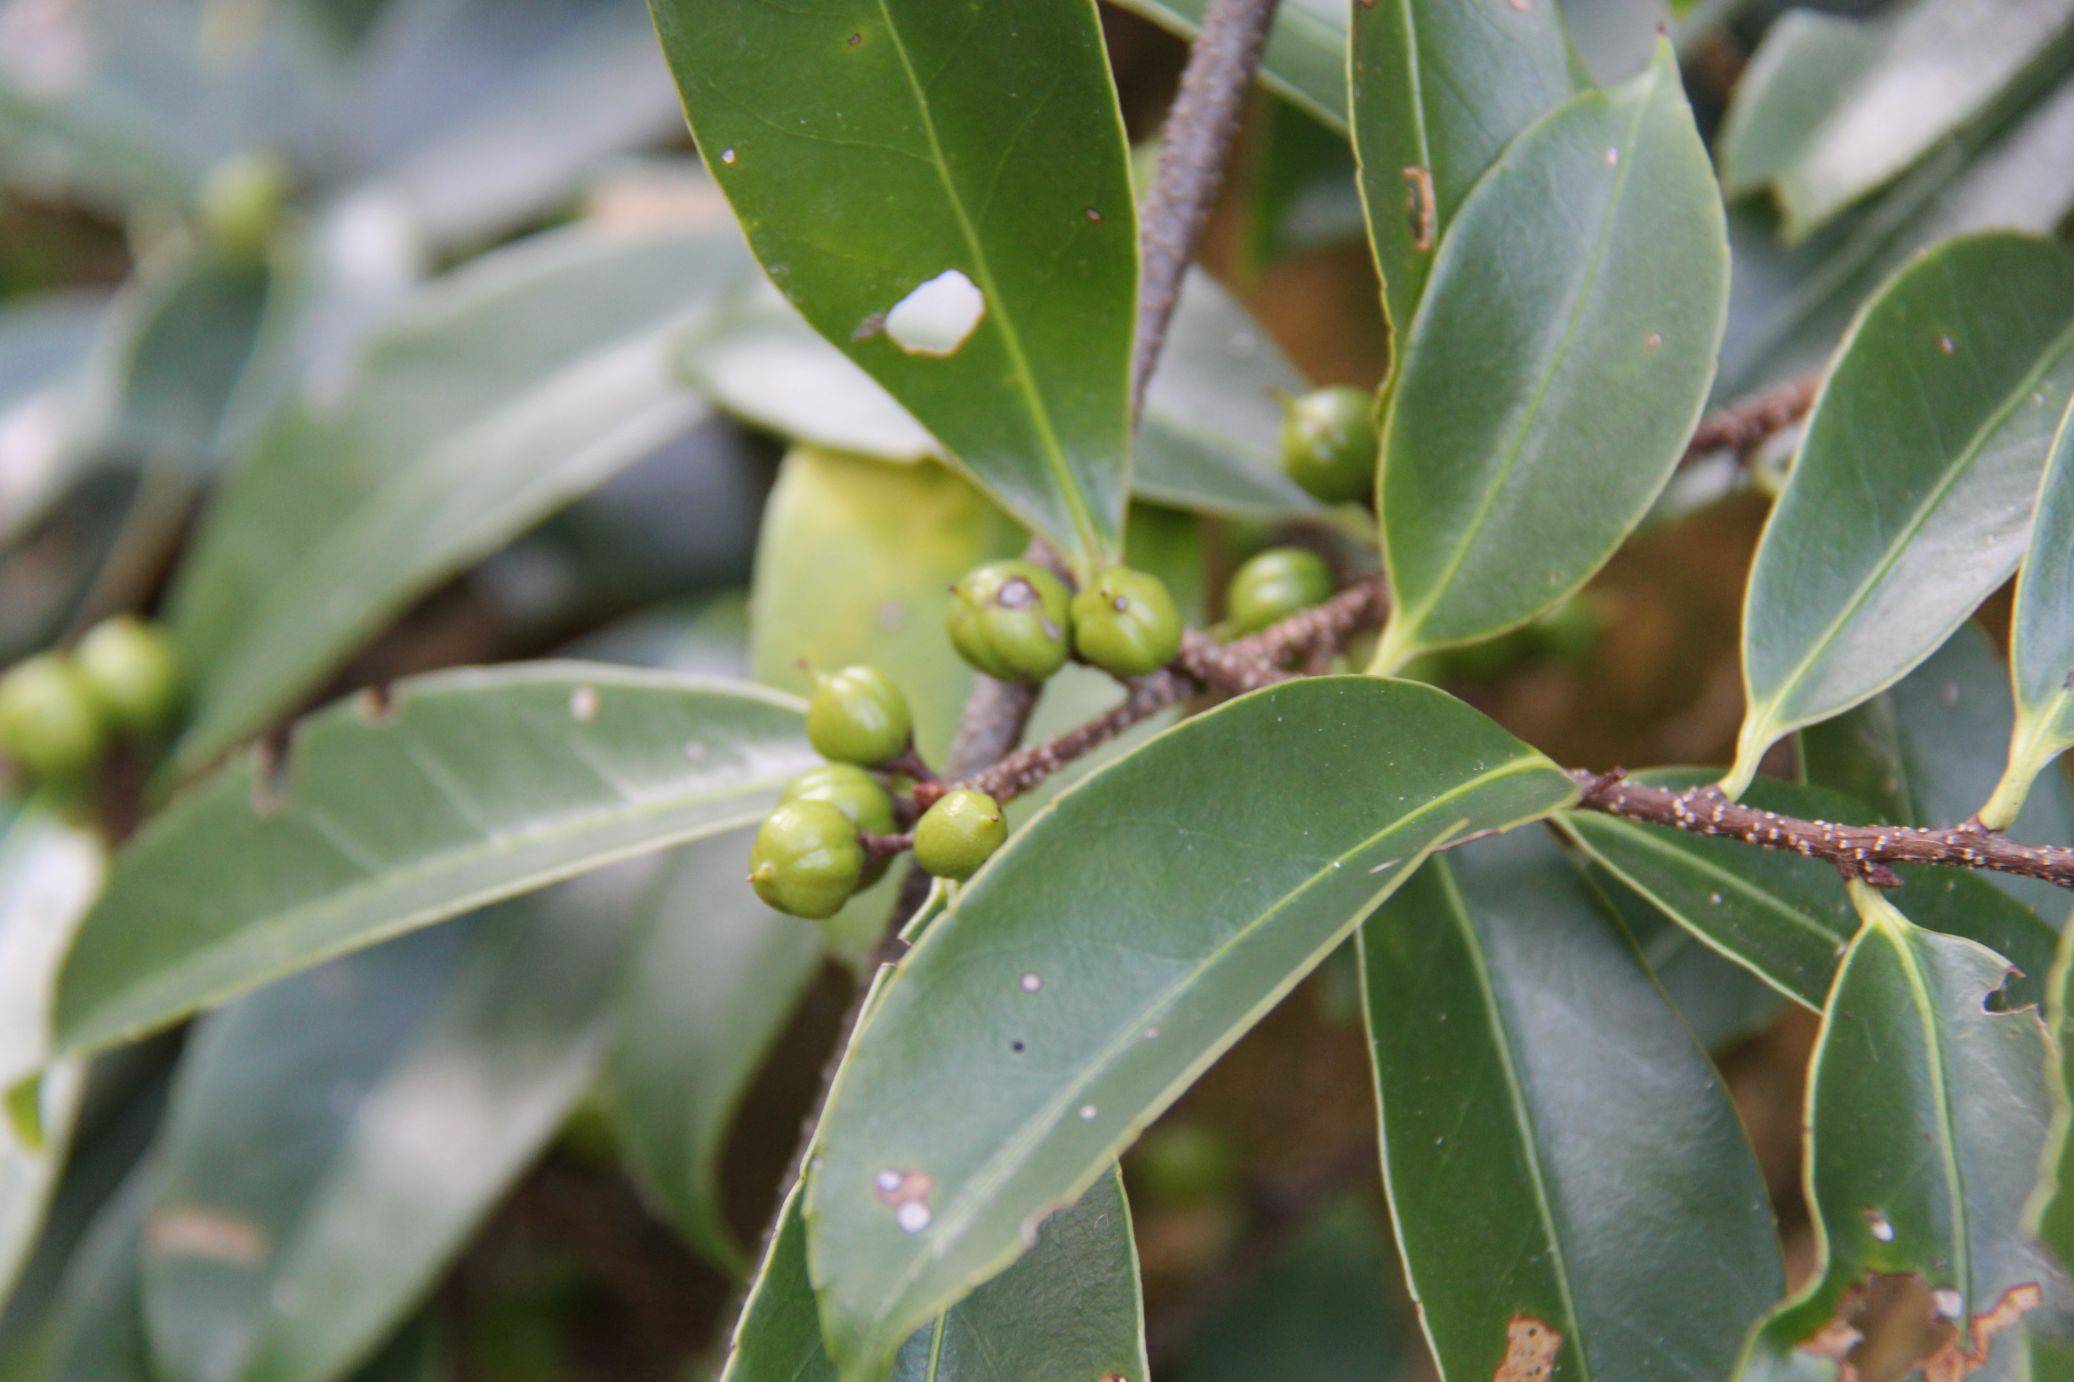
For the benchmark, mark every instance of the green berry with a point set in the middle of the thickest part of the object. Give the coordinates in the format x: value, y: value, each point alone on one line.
x: 957, y: 834
x: 1274, y: 585
x: 1010, y: 620
x: 858, y: 716
x: 133, y: 672
x: 242, y: 201
x: 851, y: 790
x: 50, y: 721
x: 858, y: 795
x: 1125, y: 623
x: 806, y: 859
x: 1329, y: 442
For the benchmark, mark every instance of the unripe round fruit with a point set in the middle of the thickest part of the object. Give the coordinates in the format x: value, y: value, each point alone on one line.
x: 133, y: 672
x: 1273, y: 585
x: 858, y: 716
x: 855, y: 793
x: 1011, y: 620
x: 851, y: 790
x: 806, y: 859
x: 50, y: 723
x: 1125, y: 623
x: 1329, y: 442
x: 242, y: 201
x: 959, y: 833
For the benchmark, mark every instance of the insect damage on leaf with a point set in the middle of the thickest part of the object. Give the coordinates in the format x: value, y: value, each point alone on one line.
x: 907, y: 1194
x: 1968, y: 1350
x: 1531, y: 1346
x: 937, y: 316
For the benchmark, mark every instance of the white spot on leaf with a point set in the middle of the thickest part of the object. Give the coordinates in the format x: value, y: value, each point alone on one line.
x: 936, y: 317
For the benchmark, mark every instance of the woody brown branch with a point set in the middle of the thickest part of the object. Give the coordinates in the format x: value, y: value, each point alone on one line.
x: 1861, y: 851
x: 1746, y: 423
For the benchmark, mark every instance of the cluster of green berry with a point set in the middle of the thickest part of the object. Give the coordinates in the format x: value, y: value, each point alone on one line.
x: 60, y: 711
x: 809, y: 854
x: 1017, y: 621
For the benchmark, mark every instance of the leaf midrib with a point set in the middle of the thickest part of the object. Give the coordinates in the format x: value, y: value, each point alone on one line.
x: 956, y: 1215
x: 1054, y: 455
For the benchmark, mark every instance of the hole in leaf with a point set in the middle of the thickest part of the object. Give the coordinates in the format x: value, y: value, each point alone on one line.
x: 936, y: 317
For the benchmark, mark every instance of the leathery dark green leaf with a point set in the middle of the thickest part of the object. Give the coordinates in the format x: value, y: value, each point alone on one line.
x: 1599, y: 1205
x: 943, y: 191
x: 461, y: 788
x: 2051, y: 1213
x: 1911, y: 496
x: 1438, y: 91
x: 1786, y: 918
x: 1537, y: 413
x: 1069, y: 1308
x: 1910, y: 1056
x: 1029, y: 1036
x: 332, y: 1141
x: 2041, y: 636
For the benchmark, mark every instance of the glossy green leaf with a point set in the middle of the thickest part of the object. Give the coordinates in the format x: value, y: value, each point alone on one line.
x: 333, y: 1141
x: 1910, y: 1057
x: 1070, y: 1308
x: 1926, y: 751
x: 944, y: 193
x: 1911, y: 496
x: 1602, y: 1187
x: 1209, y: 439
x: 1306, y: 55
x: 1537, y: 413
x: 1788, y: 306
x: 49, y: 872
x: 2041, y: 637
x: 708, y: 990
x: 2051, y: 1212
x: 1785, y: 918
x: 1832, y: 109
x: 1028, y: 1038
x: 1721, y: 1001
x: 853, y: 566
x: 1070, y: 1305
x: 1439, y: 90
x: 505, y: 391
x: 470, y: 786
